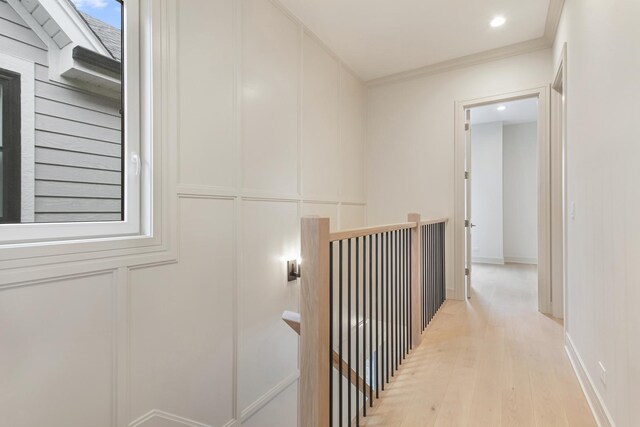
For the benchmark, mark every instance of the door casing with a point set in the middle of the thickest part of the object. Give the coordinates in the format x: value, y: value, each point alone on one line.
x: 544, y: 190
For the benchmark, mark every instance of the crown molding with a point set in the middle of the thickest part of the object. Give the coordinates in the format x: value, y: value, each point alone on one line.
x: 546, y: 41
x: 465, y: 61
x: 553, y: 19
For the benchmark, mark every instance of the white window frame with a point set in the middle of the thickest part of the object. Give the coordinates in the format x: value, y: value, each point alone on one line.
x: 24, y: 233
x: 148, y: 232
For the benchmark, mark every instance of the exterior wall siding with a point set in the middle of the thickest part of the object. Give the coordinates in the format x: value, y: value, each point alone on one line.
x: 77, y: 137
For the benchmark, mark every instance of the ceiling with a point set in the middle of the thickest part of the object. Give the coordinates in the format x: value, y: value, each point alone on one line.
x: 521, y: 111
x: 378, y: 38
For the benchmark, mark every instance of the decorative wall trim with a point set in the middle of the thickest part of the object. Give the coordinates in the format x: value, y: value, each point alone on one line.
x: 262, y: 401
x: 488, y: 260
x: 598, y: 408
x: 520, y: 260
x: 180, y: 421
x: 354, y: 203
x: 553, y: 19
x: 465, y: 61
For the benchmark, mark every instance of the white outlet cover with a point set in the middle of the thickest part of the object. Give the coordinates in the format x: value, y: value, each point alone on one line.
x: 572, y: 210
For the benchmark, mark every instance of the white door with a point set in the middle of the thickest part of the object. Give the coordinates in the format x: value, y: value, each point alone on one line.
x: 467, y: 214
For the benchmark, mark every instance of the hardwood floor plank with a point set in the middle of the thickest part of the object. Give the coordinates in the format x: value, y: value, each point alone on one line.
x: 491, y: 361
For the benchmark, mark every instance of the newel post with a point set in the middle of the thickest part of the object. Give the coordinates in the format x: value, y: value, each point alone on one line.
x: 416, y: 289
x: 315, y: 354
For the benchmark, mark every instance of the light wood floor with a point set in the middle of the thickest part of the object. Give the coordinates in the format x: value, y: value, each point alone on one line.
x: 494, y: 361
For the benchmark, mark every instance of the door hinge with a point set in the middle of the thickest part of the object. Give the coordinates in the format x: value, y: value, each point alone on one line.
x: 466, y: 126
x: 466, y: 271
x: 466, y: 174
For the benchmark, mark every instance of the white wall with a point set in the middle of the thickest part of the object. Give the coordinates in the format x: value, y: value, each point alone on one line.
x: 603, y: 89
x: 521, y: 193
x: 410, y: 136
x: 268, y: 120
x: 486, y: 193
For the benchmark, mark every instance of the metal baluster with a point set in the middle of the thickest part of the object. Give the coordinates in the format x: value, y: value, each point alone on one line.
x: 402, y: 304
x: 406, y: 292
x: 357, y: 326
x: 444, y: 264
x: 340, y: 292
x: 349, y: 332
x: 330, y: 334
x: 378, y: 266
x: 388, y: 290
x: 422, y: 281
x: 383, y: 355
x: 371, y: 321
x: 364, y: 326
x: 411, y: 296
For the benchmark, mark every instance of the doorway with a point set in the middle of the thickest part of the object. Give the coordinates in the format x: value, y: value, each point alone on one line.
x: 502, y: 167
x: 464, y: 218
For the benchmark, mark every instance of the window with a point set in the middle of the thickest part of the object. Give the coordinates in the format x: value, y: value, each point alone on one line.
x: 9, y: 147
x: 71, y: 129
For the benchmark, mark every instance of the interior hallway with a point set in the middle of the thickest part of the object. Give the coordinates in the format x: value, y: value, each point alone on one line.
x: 494, y: 361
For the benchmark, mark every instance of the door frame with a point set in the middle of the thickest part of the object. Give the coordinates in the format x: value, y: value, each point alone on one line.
x: 544, y: 189
x: 559, y: 185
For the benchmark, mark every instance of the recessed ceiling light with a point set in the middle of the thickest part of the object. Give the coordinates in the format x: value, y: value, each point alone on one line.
x: 501, y: 108
x: 498, y: 21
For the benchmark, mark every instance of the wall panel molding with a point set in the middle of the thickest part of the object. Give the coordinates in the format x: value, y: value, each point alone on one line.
x: 264, y: 400
x: 179, y: 421
x: 596, y: 403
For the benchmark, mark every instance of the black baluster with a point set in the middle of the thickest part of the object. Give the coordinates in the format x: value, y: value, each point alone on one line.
x: 406, y: 292
x: 349, y: 332
x: 330, y: 334
x: 397, y: 301
x: 410, y: 291
x: 364, y: 327
x: 341, y: 308
x: 388, y: 290
x: 357, y: 331
x: 383, y: 356
x: 371, y: 320
x: 423, y: 289
x: 444, y: 264
x: 378, y: 371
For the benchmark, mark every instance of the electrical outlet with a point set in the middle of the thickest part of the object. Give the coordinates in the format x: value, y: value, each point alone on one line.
x: 572, y: 210
x: 603, y: 373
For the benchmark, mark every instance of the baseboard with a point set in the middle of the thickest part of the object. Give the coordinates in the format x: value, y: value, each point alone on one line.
x: 487, y: 260
x: 598, y: 408
x: 450, y: 293
x: 520, y: 260
x: 256, y: 406
x: 172, y: 419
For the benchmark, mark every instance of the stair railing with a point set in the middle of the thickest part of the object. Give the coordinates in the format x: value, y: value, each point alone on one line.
x: 366, y: 297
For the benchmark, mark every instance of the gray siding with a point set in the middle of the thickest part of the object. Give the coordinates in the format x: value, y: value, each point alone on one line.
x: 77, y: 146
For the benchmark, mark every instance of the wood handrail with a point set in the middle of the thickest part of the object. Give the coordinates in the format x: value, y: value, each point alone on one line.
x: 293, y: 320
x: 435, y: 221
x: 366, y: 231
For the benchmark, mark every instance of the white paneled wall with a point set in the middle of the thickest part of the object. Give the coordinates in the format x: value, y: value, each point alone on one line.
x: 56, y: 357
x: 270, y: 95
x: 270, y: 127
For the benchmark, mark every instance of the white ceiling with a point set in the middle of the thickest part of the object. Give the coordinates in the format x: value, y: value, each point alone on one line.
x: 377, y: 38
x: 521, y: 111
